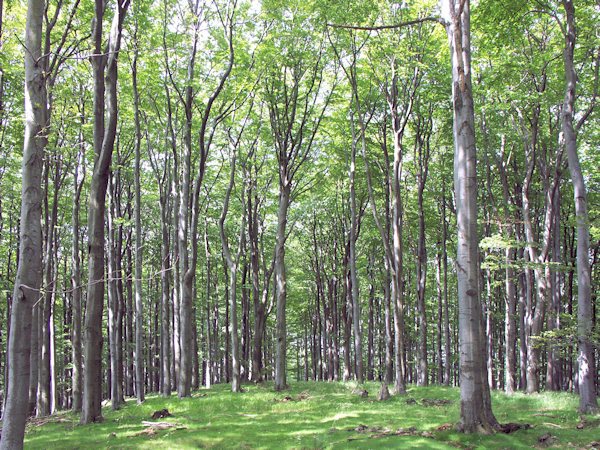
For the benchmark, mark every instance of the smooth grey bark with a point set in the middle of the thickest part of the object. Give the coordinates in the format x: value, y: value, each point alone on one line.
x: 476, y: 409
x: 128, y: 322
x: 538, y: 249
x: 44, y: 391
x: 356, y: 313
x: 232, y: 263
x: 114, y: 310
x: 344, y: 313
x: 447, y: 369
x: 281, y: 281
x: 208, y: 344
x: 423, y: 129
x: 439, y: 318
x: 139, y: 304
x: 104, y: 139
x: 53, y: 58
x: 29, y: 271
x: 398, y: 260
x: 186, y: 271
x: 553, y: 362
x: 588, y: 402
x: 262, y: 301
x: 292, y: 101
x: 536, y: 312
x: 394, y: 252
x: 175, y: 297
x: 371, y: 324
x: 510, y: 255
x: 510, y: 315
x: 163, y: 177
x: 76, y: 336
x: 165, y: 312
x: 363, y: 118
x: 34, y: 359
x: 188, y: 220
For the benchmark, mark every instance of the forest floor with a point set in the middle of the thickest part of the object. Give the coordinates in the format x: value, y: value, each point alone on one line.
x: 319, y: 415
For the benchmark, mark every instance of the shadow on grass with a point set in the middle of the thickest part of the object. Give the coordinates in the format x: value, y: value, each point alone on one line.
x: 315, y: 415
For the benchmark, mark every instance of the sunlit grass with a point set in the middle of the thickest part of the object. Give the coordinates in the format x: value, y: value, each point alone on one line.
x: 319, y: 415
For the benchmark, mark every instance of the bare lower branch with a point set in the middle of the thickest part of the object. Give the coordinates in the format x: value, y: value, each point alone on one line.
x: 388, y: 27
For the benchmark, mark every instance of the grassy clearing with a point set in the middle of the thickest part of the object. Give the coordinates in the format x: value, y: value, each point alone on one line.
x: 319, y: 415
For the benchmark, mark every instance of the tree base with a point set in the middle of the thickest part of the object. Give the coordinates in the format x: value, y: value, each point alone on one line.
x: 384, y: 393
x: 588, y: 409
x: 479, y: 427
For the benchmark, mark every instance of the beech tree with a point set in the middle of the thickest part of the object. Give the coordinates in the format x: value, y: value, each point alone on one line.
x: 293, y: 89
x: 104, y: 139
x: 29, y: 271
x: 475, y: 406
x: 588, y: 402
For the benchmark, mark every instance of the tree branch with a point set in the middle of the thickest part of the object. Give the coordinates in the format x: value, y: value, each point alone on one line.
x: 389, y: 27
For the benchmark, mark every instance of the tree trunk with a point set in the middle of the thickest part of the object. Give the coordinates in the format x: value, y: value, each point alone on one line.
x: 187, y: 272
x: 165, y: 298
x: 34, y: 358
x: 447, y: 371
x: 113, y: 301
x: 77, y: 380
x: 422, y: 161
x: 103, y: 146
x: 588, y: 403
x: 232, y: 264
x: 44, y: 404
x: 139, y: 309
x: 440, y: 317
x: 476, y: 409
x: 281, y: 285
x: 29, y: 269
x: 358, y: 348
x: 389, y: 342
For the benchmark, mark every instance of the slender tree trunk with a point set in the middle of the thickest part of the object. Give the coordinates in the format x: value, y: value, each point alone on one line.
x: 77, y: 379
x: 588, y: 402
x: 448, y: 364
x: 29, y: 269
x: 421, y: 275
x: 371, y: 329
x: 139, y: 308
x: 389, y: 342
x: 103, y: 146
x: 44, y: 378
x: 552, y: 362
x: 440, y: 316
x: 423, y: 127
x: 510, y: 311
x: 176, y: 297
x: 165, y: 312
x: 281, y: 285
x: 358, y: 347
x: 345, y: 318
x: 232, y: 264
x: 128, y: 325
x: 476, y: 409
x: 186, y: 261
x: 113, y: 301
x: 34, y: 358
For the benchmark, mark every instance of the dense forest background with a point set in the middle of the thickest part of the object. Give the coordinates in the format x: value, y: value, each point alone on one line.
x: 280, y: 200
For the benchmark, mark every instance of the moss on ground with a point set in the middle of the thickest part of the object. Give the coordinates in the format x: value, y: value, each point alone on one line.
x: 319, y: 415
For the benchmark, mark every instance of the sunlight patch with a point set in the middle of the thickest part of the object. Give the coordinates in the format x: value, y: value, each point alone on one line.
x: 339, y: 416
